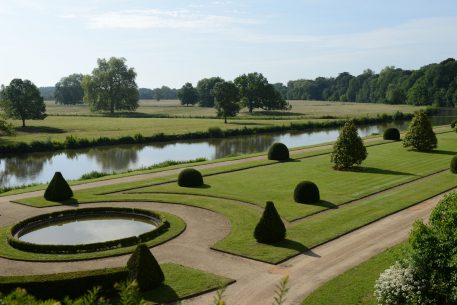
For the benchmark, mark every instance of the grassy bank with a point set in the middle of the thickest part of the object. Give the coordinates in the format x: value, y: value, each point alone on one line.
x: 355, y: 286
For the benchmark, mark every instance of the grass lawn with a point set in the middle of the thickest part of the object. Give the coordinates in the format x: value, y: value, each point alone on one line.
x: 180, y: 281
x: 177, y: 226
x: 355, y: 286
x: 308, y: 109
x: 387, y: 165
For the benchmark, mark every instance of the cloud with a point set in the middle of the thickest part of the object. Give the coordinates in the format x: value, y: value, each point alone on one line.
x: 166, y: 19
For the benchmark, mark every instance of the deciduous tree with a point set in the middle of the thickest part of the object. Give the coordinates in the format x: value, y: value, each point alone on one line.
x: 69, y: 91
x: 188, y: 95
x: 227, y: 100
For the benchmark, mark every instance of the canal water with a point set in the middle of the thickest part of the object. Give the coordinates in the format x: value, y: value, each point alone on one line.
x: 40, y: 167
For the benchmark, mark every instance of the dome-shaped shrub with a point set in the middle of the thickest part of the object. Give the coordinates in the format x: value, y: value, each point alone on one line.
x: 392, y: 134
x: 278, y: 151
x: 58, y: 189
x: 454, y: 164
x: 190, y: 177
x: 270, y: 228
x: 143, y: 268
x: 306, y: 192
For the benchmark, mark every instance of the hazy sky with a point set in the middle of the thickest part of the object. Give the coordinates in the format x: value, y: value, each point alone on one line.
x: 169, y: 42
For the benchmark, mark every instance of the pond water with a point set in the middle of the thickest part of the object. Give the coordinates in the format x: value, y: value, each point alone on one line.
x: 86, y: 230
x: 40, y: 167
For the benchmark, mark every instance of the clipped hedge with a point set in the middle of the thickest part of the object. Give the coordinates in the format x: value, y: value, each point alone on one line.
x: 270, y: 228
x: 58, y: 189
x: 144, y: 269
x: 93, y: 247
x: 279, y: 152
x: 72, y: 284
x: 391, y: 134
x: 190, y: 177
x: 73, y: 142
x: 306, y: 192
x: 454, y: 164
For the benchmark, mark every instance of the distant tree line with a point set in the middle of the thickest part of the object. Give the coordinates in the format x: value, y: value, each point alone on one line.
x: 434, y: 84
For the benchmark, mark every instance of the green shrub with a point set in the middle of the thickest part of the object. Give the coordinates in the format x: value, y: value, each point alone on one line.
x: 278, y: 151
x: 453, y: 124
x: 306, y: 192
x: 454, y: 164
x: 420, y: 135
x: 144, y: 268
x: 270, y: 228
x: 215, y: 132
x: 392, y: 134
x: 348, y: 149
x: 190, y: 177
x: 58, y: 189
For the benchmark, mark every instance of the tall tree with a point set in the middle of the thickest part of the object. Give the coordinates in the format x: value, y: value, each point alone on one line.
x: 420, y: 135
x: 227, y: 98
x: 21, y: 99
x: 188, y: 95
x: 271, y: 99
x: 250, y: 87
x: 348, y: 149
x: 111, y: 86
x: 205, y: 91
x: 69, y: 91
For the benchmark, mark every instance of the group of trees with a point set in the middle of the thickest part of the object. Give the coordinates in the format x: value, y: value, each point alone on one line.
x: 162, y: 93
x: 434, y: 84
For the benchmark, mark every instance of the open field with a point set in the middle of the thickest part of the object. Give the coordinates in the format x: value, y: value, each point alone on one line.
x: 249, y: 184
x: 301, y: 109
x: 355, y: 286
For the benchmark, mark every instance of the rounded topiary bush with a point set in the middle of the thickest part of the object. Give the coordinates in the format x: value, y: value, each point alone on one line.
x: 190, y: 177
x: 392, y: 134
x: 270, y: 228
x: 278, y: 151
x: 454, y: 164
x: 58, y: 189
x: 306, y: 192
x: 143, y: 268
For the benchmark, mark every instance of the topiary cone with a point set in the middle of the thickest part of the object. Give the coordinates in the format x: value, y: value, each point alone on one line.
x: 58, y: 189
x: 144, y: 268
x: 270, y: 228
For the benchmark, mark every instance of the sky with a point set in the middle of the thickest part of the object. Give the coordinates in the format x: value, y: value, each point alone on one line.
x: 170, y: 42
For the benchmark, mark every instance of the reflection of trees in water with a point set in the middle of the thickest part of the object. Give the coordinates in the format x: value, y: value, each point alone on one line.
x: 26, y: 166
x: 112, y: 158
x: 241, y: 145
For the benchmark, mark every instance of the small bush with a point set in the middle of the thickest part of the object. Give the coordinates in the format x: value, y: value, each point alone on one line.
x: 190, y: 177
x: 306, y: 192
x: 58, y: 189
x: 270, y: 228
x: 215, y: 132
x: 392, y: 134
x: 454, y: 164
x: 278, y: 151
x: 144, y: 268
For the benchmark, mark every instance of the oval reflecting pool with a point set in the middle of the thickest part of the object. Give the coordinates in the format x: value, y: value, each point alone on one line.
x: 86, y: 230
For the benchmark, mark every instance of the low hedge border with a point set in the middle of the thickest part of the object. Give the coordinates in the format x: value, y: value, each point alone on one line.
x: 72, y: 142
x: 101, y: 246
x: 72, y: 284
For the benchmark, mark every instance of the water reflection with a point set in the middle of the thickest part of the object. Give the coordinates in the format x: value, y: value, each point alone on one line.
x: 40, y: 167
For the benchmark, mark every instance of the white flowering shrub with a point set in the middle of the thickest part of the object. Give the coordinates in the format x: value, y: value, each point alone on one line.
x: 398, y: 285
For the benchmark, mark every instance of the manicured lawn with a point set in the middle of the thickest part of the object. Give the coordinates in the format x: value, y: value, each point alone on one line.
x: 177, y: 226
x: 386, y: 166
x: 355, y: 286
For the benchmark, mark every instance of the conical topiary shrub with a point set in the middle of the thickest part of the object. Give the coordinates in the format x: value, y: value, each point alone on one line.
x: 391, y: 134
x: 58, y: 189
x: 143, y: 268
x: 454, y: 164
x: 190, y: 177
x: 279, y: 152
x: 306, y: 192
x: 270, y: 228
x: 348, y: 149
x: 420, y: 135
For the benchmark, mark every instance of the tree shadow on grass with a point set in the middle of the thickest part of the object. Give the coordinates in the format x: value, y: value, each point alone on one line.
x: 441, y: 152
x: 324, y: 204
x: 161, y: 295
x: 203, y: 186
x: 380, y: 171
x: 39, y: 129
x: 248, y: 123
x: 69, y: 202
x: 294, y: 245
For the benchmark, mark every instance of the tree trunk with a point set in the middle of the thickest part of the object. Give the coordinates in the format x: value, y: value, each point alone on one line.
x: 112, y: 108
x: 250, y: 109
x: 23, y: 122
x: 225, y: 119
